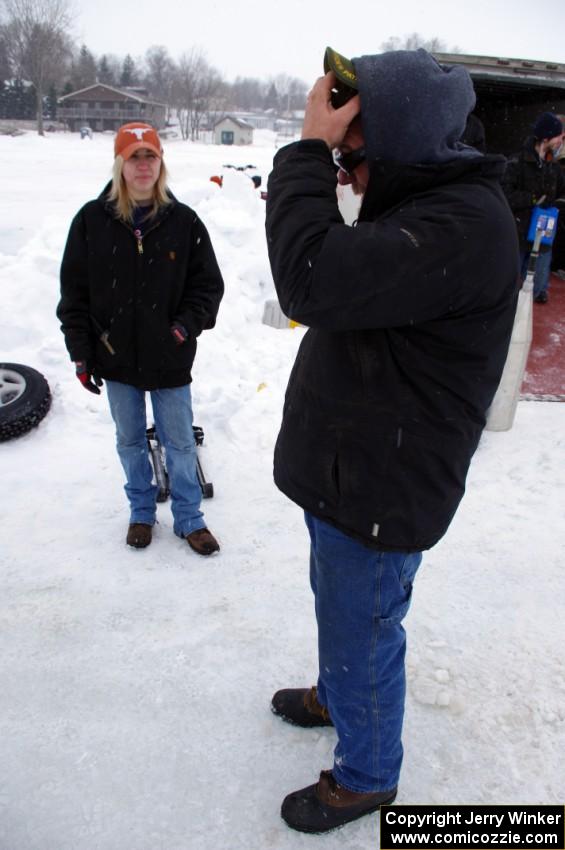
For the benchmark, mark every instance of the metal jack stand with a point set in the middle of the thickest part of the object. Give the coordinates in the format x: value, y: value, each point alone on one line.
x: 157, y: 455
x: 206, y: 486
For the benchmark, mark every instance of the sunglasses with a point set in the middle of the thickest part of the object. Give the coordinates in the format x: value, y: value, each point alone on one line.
x: 349, y: 161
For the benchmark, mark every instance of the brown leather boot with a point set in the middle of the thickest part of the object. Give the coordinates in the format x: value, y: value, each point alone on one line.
x: 139, y: 535
x: 203, y: 541
x: 327, y: 805
x: 300, y: 706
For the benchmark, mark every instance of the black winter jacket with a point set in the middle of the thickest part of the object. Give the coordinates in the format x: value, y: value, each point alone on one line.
x: 527, y: 179
x: 410, y: 316
x: 120, y: 295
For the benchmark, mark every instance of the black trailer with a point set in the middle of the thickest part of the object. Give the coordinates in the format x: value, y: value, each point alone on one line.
x: 511, y: 93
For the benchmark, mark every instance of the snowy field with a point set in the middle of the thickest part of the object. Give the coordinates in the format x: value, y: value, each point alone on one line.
x: 135, y: 685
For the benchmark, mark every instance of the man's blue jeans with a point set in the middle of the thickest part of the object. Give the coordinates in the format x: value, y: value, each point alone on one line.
x: 542, y: 271
x: 172, y: 411
x: 361, y: 596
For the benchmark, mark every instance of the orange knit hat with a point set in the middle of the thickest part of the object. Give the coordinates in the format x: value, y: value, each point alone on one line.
x: 131, y: 137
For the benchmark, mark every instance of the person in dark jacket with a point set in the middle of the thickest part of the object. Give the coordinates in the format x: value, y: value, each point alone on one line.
x: 535, y: 178
x: 410, y: 314
x: 558, y: 247
x: 139, y: 284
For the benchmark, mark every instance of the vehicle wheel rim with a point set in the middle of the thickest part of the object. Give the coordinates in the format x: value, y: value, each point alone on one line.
x: 12, y: 386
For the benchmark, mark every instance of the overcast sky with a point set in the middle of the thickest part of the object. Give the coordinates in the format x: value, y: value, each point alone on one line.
x: 262, y: 38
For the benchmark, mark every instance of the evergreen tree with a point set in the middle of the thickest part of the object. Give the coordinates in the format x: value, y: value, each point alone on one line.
x: 5, y: 70
x: 3, y: 98
x: 84, y: 71
x: 105, y: 74
x: 17, y: 105
x: 51, y: 105
x: 30, y: 101
x: 17, y: 100
x: 272, y: 97
x: 129, y: 73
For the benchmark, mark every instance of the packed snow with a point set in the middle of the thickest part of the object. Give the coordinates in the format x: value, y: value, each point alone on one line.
x: 134, y: 705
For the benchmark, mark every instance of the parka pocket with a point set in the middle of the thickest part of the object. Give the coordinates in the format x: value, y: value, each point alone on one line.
x: 175, y: 356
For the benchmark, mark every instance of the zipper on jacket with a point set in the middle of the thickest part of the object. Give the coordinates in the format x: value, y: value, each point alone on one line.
x: 138, y: 236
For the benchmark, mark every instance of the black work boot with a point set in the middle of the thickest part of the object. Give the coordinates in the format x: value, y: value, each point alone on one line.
x: 301, y: 707
x: 326, y: 805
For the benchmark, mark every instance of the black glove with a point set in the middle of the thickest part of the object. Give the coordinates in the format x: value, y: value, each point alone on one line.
x: 84, y: 375
x: 179, y: 332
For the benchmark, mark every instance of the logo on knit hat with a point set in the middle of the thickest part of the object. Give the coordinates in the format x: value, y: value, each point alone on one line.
x: 132, y: 137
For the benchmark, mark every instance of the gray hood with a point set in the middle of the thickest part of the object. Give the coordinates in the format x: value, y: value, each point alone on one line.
x: 413, y: 110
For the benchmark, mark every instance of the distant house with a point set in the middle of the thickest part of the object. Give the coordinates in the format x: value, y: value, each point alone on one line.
x: 230, y: 130
x: 264, y: 120
x: 103, y: 107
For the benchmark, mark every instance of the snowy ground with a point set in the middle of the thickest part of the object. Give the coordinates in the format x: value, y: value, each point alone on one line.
x: 134, y: 705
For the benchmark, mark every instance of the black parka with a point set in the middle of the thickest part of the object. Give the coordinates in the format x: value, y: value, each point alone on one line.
x: 120, y: 295
x: 410, y: 315
x: 527, y: 181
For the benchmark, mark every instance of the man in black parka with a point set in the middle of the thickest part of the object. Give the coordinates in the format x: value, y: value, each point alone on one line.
x: 410, y: 314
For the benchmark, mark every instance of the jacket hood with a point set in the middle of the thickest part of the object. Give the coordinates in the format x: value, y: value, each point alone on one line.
x: 413, y: 110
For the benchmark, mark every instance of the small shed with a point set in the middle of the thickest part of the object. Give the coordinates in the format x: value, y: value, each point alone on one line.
x: 230, y: 130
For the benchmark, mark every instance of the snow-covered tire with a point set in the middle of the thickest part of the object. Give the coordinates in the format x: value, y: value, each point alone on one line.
x: 25, y: 398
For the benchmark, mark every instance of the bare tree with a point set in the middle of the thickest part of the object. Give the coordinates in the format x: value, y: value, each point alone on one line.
x: 159, y: 72
x: 197, y: 85
x: 211, y: 88
x: 38, y: 43
x: 184, y: 88
x: 291, y: 92
x: 414, y: 40
x: 248, y: 93
x: 159, y: 75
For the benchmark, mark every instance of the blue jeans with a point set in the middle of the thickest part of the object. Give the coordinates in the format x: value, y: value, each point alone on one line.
x: 361, y: 596
x: 172, y: 411
x: 541, y: 273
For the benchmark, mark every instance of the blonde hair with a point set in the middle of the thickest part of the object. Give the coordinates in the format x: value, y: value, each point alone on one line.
x: 124, y: 203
